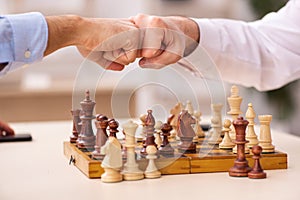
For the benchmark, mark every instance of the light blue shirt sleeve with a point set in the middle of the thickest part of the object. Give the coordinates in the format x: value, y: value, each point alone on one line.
x: 23, y: 39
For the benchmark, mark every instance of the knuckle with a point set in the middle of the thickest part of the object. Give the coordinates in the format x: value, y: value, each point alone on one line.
x: 156, y: 22
x: 139, y: 17
x: 148, y: 53
x: 131, y: 59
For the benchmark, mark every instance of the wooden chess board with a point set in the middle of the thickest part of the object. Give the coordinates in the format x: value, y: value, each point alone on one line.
x: 208, y: 158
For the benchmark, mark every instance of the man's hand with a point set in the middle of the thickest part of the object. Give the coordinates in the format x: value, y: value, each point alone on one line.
x: 5, y: 129
x: 112, y: 43
x: 165, y: 39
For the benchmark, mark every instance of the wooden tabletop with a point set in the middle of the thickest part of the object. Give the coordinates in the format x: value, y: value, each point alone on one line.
x: 39, y: 170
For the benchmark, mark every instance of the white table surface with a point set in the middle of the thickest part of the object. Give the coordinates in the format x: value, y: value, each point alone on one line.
x: 39, y: 170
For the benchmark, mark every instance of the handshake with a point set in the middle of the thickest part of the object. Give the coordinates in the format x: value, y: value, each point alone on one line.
x: 114, y: 43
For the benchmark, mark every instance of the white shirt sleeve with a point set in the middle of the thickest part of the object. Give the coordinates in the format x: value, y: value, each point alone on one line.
x: 264, y: 54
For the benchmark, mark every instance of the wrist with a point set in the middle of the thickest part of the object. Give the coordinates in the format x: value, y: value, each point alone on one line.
x: 191, y: 29
x: 63, y: 31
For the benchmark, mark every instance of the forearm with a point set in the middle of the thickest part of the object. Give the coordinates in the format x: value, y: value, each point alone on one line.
x: 63, y: 31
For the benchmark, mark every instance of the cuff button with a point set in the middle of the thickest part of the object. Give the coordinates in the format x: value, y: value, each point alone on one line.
x: 27, y: 54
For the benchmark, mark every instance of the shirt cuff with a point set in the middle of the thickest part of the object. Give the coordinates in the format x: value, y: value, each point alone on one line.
x: 30, y: 35
x: 210, y: 38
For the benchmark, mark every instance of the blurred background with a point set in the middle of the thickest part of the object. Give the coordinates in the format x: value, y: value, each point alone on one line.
x: 43, y: 91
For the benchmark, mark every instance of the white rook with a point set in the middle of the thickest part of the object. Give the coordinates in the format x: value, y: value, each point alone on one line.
x: 265, y: 139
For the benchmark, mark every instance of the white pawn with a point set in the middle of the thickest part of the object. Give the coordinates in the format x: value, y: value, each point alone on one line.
x: 158, y: 140
x: 198, y: 130
x: 265, y: 139
x: 175, y: 111
x: 131, y: 170
x: 151, y: 170
x: 112, y: 162
x: 215, y: 137
x: 189, y: 107
x: 250, y: 134
x: 142, y: 135
x: 226, y: 142
x: 216, y: 124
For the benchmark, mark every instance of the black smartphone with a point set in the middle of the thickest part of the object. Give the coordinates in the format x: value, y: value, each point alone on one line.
x: 16, y: 138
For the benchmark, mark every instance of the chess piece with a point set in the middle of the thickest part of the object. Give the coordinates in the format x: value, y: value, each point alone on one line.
x: 250, y: 133
x: 175, y: 113
x: 113, y: 127
x: 5, y: 130
x: 247, y: 150
x: 257, y: 172
x: 86, y: 138
x: 166, y: 149
x: 150, y: 139
x: 186, y: 132
x: 197, y: 128
x: 131, y: 170
x: 234, y: 102
x: 158, y: 140
x: 142, y: 135
x: 76, y: 120
x: 101, y: 135
x: 112, y: 162
x: 189, y: 107
x: 226, y: 142
x: 151, y: 170
x: 265, y: 139
x: 215, y: 132
x: 241, y: 167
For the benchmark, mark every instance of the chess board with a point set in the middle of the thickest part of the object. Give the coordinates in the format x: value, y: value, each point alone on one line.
x: 207, y: 159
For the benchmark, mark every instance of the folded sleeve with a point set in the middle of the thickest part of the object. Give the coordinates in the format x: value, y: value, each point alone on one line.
x: 23, y: 39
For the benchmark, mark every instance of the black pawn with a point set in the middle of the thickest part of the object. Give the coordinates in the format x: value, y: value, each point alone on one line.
x: 166, y: 149
x: 257, y: 172
x: 101, y: 136
x: 113, y: 128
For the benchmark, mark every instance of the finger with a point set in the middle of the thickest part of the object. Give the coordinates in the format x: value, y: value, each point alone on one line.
x: 127, y: 40
x: 174, y: 41
x: 152, y: 41
x: 112, y: 55
x: 158, y: 62
x: 173, y: 51
x: 98, y: 58
x: 115, y: 67
x: 140, y: 20
x: 128, y: 57
x: 145, y: 64
x: 121, y: 57
x: 109, y: 65
x: 152, y: 34
x: 5, y: 127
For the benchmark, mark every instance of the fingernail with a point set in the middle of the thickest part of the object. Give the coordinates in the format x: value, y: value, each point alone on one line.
x: 142, y: 62
x: 147, y: 65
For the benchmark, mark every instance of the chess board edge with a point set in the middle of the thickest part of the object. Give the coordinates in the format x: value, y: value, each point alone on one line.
x: 190, y: 163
